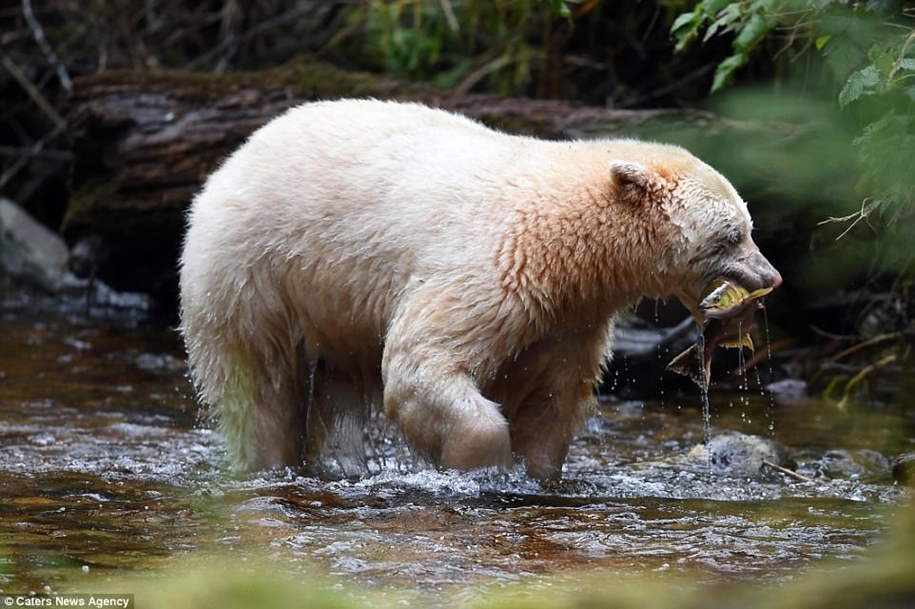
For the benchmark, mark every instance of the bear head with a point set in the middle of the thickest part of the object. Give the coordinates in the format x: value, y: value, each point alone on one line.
x: 709, y: 227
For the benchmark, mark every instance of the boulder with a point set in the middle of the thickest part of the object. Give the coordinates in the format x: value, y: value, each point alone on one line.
x: 30, y: 252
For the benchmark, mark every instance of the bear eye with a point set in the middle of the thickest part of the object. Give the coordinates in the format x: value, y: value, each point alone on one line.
x: 733, y: 237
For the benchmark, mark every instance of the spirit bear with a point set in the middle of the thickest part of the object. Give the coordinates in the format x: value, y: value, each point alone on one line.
x: 359, y: 251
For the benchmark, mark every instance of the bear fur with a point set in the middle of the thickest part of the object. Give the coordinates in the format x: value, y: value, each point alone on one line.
x: 360, y: 251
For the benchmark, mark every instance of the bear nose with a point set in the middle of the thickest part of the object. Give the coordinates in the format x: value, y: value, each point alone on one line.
x: 774, y: 279
x: 756, y: 273
x: 765, y: 273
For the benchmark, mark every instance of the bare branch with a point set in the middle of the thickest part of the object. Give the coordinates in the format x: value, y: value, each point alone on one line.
x: 32, y: 151
x: 786, y: 471
x: 46, y: 48
x: 34, y: 93
x: 853, y: 219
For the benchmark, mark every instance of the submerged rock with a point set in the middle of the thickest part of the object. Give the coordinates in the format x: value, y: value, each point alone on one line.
x: 904, y: 469
x: 736, y: 454
x: 789, y: 388
x: 846, y: 464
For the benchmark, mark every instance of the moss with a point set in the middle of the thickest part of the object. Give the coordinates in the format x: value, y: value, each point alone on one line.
x: 302, y: 77
x: 85, y: 202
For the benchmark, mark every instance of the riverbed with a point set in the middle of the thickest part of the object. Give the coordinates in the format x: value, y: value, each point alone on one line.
x: 108, y: 472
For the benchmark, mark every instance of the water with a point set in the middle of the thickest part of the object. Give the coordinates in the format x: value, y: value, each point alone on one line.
x: 106, y: 472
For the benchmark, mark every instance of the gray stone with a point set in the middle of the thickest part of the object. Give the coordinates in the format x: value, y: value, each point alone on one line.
x: 29, y: 251
x: 737, y: 454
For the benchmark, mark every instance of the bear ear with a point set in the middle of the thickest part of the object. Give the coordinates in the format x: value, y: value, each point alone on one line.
x: 625, y: 173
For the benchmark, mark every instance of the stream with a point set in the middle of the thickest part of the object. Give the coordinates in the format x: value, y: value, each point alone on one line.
x: 107, y: 472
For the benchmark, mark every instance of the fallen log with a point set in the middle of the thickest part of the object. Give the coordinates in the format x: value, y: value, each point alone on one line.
x: 143, y: 143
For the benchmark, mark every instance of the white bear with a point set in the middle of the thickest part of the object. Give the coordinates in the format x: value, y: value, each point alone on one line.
x: 357, y: 251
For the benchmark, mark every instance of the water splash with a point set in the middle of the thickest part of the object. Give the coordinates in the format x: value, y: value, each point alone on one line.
x: 703, y: 390
x: 770, y: 408
x: 105, y: 455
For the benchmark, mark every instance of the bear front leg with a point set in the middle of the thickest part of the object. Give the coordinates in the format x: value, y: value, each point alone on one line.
x: 445, y: 419
x: 429, y: 391
x: 543, y: 429
x: 547, y: 391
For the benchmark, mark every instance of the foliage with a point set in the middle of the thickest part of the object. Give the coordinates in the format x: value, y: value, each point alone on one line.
x: 869, y: 51
x: 455, y: 44
x: 590, y: 50
x: 863, y: 55
x: 747, y: 20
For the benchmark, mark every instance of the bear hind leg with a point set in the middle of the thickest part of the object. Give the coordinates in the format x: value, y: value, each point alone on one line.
x: 337, y: 411
x: 258, y: 412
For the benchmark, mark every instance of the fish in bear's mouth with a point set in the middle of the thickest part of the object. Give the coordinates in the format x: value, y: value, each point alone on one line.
x: 725, y: 319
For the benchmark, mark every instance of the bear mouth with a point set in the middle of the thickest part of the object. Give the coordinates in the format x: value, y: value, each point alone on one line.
x: 724, y: 314
x: 740, y: 277
x: 725, y: 298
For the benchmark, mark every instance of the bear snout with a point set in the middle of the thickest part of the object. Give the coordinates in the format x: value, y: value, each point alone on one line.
x: 753, y: 272
x: 764, y: 274
x: 775, y: 279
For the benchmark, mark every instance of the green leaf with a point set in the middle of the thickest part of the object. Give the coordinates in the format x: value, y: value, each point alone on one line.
x: 685, y: 28
x: 883, y: 62
x: 884, y: 8
x: 713, y: 7
x: 560, y: 8
x: 725, y: 70
x: 690, y: 19
x: 710, y: 31
x: 752, y: 33
x: 822, y: 40
x: 726, y: 18
x: 860, y: 83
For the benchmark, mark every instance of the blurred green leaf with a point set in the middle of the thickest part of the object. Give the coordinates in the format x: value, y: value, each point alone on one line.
x: 560, y: 8
x: 691, y: 19
x: 725, y: 70
x: 713, y: 7
x: 725, y: 19
x: 860, y: 83
x: 752, y: 33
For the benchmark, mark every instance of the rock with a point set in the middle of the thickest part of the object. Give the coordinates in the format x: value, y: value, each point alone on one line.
x: 789, y: 388
x: 30, y: 252
x: 87, y: 255
x: 904, y: 469
x: 851, y: 465
x: 36, y: 259
x: 736, y: 454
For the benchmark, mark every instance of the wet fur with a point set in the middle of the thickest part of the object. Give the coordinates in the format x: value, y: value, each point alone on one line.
x: 360, y: 252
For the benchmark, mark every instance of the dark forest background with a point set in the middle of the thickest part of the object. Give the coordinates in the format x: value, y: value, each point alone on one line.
x: 833, y: 202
